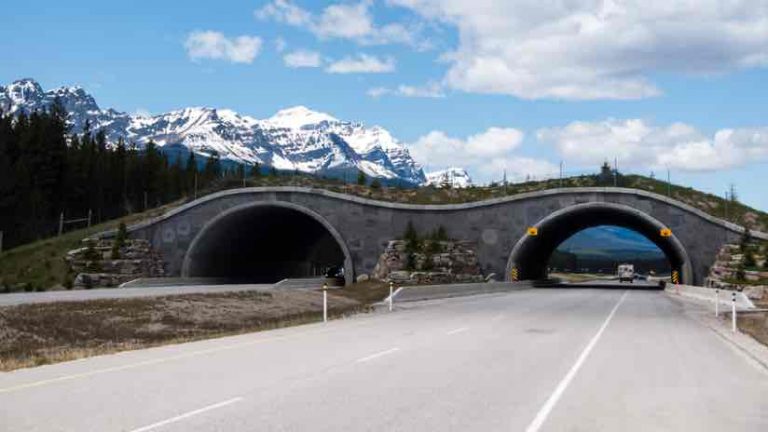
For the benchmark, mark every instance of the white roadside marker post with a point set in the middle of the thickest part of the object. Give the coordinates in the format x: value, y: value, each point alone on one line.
x: 325, y: 303
x: 390, y: 295
x: 717, y: 303
x: 733, y: 311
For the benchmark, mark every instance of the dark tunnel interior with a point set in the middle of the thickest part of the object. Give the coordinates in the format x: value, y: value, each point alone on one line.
x: 533, y: 256
x: 264, y: 244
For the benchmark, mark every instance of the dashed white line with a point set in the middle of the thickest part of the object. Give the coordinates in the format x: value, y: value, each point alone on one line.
x: 458, y: 330
x: 187, y: 415
x: 138, y: 364
x: 377, y: 355
x: 541, y: 417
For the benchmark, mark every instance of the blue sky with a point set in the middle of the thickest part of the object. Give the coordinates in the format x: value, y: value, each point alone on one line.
x: 490, y: 85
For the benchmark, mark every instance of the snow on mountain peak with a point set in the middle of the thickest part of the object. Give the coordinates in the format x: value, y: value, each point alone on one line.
x: 298, y: 116
x: 452, y: 177
x: 296, y: 138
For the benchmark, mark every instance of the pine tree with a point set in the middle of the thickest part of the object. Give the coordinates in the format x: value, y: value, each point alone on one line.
x: 212, y: 168
x: 361, y: 179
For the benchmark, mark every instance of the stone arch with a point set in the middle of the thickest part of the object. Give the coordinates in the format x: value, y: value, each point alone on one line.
x: 253, y: 221
x: 530, y: 254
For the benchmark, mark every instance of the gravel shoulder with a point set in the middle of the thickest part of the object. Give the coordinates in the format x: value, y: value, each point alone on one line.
x: 36, y: 334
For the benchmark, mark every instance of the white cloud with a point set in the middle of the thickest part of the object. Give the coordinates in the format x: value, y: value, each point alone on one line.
x: 363, y: 63
x: 352, y: 21
x: 284, y: 11
x: 214, y: 45
x: 589, y: 49
x: 639, y: 144
x: 302, y: 59
x: 485, y: 155
x: 377, y: 92
x: 431, y: 90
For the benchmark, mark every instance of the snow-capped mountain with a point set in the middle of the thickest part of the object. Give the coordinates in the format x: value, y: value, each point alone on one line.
x: 453, y: 177
x: 293, y: 139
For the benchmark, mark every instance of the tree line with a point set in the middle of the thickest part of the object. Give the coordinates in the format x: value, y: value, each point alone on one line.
x: 45, y: 171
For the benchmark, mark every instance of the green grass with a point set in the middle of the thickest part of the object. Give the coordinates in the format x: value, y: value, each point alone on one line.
x: 40, y: 265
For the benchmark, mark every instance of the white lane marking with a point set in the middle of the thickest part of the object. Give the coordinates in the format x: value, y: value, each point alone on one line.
x: 541, y: 417
x: 135, y: 365
x: 458, y: 330
x: 187, y: 415
x: 379, y: 354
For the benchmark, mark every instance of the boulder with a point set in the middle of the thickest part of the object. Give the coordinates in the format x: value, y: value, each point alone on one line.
x: 399, y: 276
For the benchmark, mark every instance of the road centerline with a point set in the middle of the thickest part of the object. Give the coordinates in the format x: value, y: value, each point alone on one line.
x: 377, y: 355
x: 543, y: 413
x: 187, y: 415
x: 458, y: 330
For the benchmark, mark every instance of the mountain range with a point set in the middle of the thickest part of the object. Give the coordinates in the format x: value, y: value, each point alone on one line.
x: 453, y: 177
x: 296, y: 138
x: 610, y: 242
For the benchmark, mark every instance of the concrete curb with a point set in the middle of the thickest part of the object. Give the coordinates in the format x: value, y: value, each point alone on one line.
x: 169, y: 281
x: 434, y: 292
x: 752, y: 350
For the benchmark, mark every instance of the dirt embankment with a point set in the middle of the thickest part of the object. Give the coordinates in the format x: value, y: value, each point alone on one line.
x: 36, y: 334
x: 756, y: 324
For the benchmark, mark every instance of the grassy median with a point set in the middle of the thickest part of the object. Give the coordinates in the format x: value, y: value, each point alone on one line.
x: 37, y: 334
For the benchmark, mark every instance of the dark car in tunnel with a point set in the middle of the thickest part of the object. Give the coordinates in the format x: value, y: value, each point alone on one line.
x: 334, y: 276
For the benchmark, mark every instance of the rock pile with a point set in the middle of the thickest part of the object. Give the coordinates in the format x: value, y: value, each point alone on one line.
x: 725, y: 270
x: 95, y: 266
x: 447, y: 262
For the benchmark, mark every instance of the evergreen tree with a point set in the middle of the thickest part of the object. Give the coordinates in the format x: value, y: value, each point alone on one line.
x: 361, y: 179
x: 212, y: 168
x: 749, y: 259
x: 46, y: 171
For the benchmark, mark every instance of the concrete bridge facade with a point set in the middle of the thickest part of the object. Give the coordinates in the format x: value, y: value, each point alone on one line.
x: 269, y: 233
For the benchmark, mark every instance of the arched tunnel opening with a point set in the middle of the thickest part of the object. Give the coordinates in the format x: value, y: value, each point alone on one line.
x: 264, y: 244
x: 531, y: 256
x: 597, y: 252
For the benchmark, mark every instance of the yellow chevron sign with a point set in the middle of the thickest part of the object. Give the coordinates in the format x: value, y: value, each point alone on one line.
x: 675, y: 277
x: 533, y: 231
x: 513, y: 275
x: 666, y: 232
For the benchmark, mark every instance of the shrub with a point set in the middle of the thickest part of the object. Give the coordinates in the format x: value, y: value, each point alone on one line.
x: 749, y: 259
x: 740, y: 274
x: 119, y: 242
x: 375, y: 184
x: 440, y: 234
x: 744, y: 243
x: 92, y: 257
x: 68, y: 281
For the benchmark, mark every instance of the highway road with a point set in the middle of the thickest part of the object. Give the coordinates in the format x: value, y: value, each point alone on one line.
x: 549, y: 360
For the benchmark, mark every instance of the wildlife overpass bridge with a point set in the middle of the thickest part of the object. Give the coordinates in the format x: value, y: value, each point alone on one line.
x: 264, y: 234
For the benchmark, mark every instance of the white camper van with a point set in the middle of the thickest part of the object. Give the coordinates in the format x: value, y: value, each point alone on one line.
x: 626, y: 272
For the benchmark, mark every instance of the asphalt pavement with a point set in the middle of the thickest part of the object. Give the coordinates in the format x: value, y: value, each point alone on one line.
x: 539, y: 359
